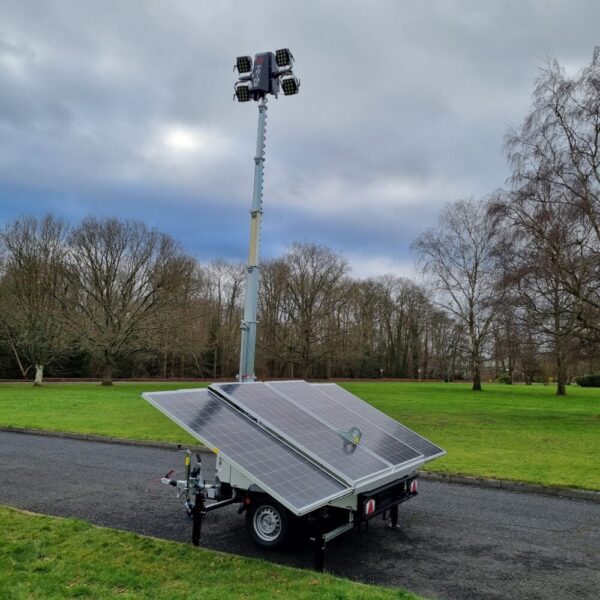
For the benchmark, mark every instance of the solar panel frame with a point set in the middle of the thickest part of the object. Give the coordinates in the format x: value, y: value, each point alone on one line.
x: 379, y: 419
x: 321, y: 477
x: 319, y: 427
x: 394, y: 451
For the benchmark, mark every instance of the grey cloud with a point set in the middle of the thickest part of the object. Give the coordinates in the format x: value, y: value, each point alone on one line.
x: 416, y: 93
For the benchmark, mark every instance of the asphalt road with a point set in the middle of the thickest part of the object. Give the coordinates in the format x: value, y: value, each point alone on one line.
x: 454, y: 541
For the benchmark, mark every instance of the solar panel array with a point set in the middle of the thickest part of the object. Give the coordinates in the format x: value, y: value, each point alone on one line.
x: 355, y: 405
x: 291, y: 437
x: 310, y: 398
x: 280, y: 470
x: 309, y: 434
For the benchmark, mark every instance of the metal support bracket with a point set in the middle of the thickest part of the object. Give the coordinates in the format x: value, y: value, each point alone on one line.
x: 210, y: 507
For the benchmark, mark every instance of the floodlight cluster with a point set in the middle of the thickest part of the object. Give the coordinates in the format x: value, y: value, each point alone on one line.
x: 268, y: 73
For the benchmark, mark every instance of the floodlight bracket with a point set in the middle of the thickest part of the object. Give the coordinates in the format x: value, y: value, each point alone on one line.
x: 278, y: 71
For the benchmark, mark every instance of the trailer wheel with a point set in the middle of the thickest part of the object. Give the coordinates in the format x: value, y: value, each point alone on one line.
x: 268, y: 523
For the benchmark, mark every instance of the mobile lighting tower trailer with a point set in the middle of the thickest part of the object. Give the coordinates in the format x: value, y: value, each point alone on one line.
x: 294, y: 456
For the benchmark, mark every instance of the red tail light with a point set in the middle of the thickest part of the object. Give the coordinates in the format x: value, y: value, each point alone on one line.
x: 369, y: 507
x: 413, y: 486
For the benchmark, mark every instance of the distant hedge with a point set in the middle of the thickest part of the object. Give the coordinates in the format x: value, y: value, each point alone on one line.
x: 589, y: 380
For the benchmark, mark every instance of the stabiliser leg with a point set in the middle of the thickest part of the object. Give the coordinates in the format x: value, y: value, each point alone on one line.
x: 197, y: 514
x: 323, y: 537
x: 320, y: 553
x: 320, y: 543
x: 394, y: 516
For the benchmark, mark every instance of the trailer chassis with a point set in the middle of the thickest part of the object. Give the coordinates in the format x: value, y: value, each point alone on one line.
x: 325, y: 523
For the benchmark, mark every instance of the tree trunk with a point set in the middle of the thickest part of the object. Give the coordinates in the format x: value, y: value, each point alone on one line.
x: 107, y: 374
x: 306, y: 357
x: 475, y: 358
x: 476, y: 366
x: 39, y: 374
x: 561, y: 376
x: 559, y: 345
x: 476, y: 377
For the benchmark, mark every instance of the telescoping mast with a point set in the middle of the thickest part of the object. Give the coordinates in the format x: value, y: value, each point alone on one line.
x: 270, y: 73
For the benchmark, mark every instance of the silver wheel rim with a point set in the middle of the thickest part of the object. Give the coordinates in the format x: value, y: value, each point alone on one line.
x: 267, y: 523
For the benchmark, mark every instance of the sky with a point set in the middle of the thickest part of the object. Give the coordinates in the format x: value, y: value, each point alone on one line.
x: 125, y: 109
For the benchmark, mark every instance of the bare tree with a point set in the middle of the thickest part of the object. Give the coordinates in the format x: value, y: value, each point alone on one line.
x: 180, y: 326
x: 121, y: 276
x: 557, y: 148
x: 33, y: 280
x: 360, y: 343
x: 539, y: 229
x: 315, y: 289
x: 224, y: 295
x: 274, y: 331
x: 443, y: 344
x: 459, y: 257
x: 401, y: 313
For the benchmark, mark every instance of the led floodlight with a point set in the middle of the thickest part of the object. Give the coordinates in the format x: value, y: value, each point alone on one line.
x: 242, y: 92
x: 243, y: 64
x: 283, y: 58
x: 290, y: 85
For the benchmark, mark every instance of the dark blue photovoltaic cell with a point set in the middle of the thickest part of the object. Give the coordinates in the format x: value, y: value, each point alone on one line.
x: 334, y: 414
x: 304, y: 431
x: 360, y: 407
x: 274, y: 466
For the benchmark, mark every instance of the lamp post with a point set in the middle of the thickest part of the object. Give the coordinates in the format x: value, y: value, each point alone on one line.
x: 270, y: 73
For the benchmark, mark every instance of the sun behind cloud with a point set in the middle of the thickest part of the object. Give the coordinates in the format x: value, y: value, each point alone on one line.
x: 183, y: 138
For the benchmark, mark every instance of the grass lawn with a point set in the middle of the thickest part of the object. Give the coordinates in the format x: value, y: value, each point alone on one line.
x: 523, y: 433
x: 118, y: 410
x: 53, y: 558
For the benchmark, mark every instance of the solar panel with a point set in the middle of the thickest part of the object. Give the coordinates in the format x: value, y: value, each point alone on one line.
x: 381, y: 420
x: 313, y: 437
x: 282, y: 472
x: 339, y: 416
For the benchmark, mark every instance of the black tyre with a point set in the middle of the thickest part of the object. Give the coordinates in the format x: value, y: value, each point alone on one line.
x: 268, y: 523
